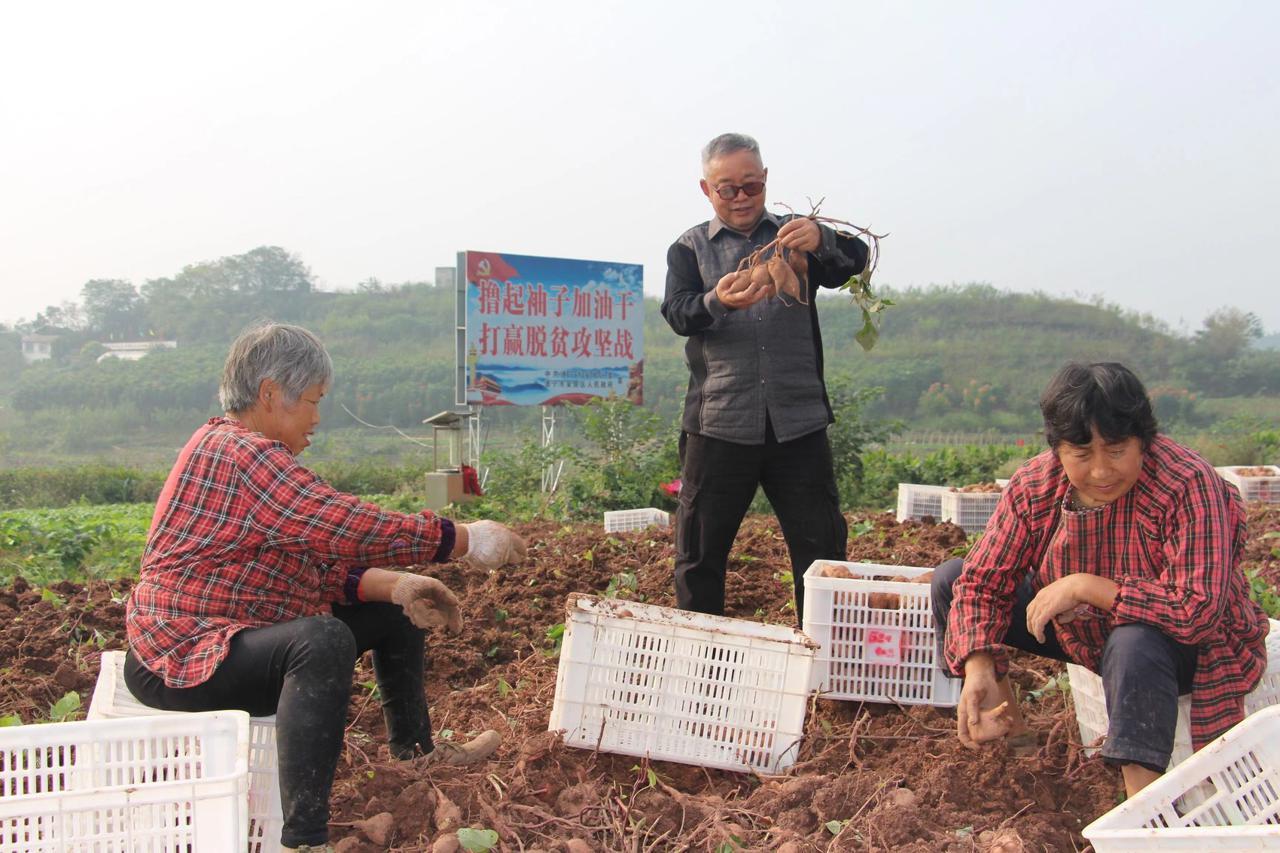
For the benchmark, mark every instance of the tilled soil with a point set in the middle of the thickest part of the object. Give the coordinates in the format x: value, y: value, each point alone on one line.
x: 869, y: 776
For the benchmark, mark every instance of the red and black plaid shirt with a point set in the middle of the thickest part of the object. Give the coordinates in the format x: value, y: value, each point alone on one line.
x: 1173, y: 545
x: 244, y: 537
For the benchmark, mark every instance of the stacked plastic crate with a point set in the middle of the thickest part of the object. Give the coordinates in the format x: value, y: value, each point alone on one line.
x: 916, y: 501
x: 970, y: 509
x: 112, y: 700
x: 622, y: 520
x: 173, y: 782
x: 1255, y: 482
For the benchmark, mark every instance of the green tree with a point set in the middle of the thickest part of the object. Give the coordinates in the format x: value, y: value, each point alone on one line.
x: 1227, y: 333
x: 112, y: 308
x: 1212, y: 363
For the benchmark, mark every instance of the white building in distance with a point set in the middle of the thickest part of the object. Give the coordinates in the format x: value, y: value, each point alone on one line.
x: 133, y: 350
x: 37, y: 347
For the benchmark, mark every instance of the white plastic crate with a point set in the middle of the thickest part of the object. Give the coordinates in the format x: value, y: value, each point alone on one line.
x: 870, y: 653
x: 635, y: 519
x: 1091, y: 706
x: 1225, y: 797
x: 672, y: 685
x: 1254, y: 488
x: 154, y: 784
x: 916, y: 501
x: 112, y: 700
x: 969, y: 510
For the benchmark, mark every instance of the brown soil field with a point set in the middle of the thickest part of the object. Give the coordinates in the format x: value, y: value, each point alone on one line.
x: 869, y: 776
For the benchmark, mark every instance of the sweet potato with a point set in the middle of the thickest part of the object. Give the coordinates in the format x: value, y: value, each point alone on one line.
x: 741, y: 281
x: 834, y: 570
x: 760, y: 278
x: 799, y: 262
x: 884, y: 601
x: 784, y: 278
x: 992, y: 723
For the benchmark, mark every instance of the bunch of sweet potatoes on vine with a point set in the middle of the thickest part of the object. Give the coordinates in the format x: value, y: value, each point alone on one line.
x: 783, y: 273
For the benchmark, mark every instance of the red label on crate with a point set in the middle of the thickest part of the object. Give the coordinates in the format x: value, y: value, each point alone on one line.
x: 884, y: 645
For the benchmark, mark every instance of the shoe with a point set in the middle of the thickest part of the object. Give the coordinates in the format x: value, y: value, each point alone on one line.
x: 308, y: 848
x: 474, y: 751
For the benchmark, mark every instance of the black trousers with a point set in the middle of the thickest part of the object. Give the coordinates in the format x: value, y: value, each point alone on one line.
x: 719, y: 481
x: 1143, y: 673
x: 301, y: 672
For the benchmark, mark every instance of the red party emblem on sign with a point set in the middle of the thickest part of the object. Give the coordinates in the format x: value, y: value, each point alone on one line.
x: 884, y: 645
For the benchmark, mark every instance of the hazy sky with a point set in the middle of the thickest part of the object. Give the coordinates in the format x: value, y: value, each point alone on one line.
x: 1127, y: 150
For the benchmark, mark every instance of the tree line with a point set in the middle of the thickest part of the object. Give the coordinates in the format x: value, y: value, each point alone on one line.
x: 966, y: 358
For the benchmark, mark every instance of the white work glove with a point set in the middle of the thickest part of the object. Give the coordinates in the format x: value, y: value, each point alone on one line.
x: 427, y: 602
x: 492, y: 546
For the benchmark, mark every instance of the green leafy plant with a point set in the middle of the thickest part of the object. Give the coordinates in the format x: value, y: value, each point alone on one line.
x: 651, y: 776
x: 621, y: 583
x: 555, y: 638
x: 10, y: 720
x: 1056, y: 684
x: 477, y: 840
x: 65, y: 708
x: 862, y: 528
x: 1262, y: 592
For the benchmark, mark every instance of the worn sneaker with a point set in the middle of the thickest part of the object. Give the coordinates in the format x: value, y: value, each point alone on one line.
x: 474, y: 751
x: 309, y: 848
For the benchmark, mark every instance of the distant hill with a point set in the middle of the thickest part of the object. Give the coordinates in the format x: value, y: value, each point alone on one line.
x: 961, y: 358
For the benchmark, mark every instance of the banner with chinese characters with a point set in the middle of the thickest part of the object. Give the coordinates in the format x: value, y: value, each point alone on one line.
x: 547, y: 331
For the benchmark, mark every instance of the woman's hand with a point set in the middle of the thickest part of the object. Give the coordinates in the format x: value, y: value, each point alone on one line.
x: 427, y: 602
x: 1066, y: 598
x: 491, y: 545
x: 981, y: 714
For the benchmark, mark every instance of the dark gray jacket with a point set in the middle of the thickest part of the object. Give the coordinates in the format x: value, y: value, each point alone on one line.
x: 763, y: 359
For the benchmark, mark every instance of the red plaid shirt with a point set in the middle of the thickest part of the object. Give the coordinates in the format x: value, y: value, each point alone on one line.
x: 248, y: 537
x: 1173, y: 544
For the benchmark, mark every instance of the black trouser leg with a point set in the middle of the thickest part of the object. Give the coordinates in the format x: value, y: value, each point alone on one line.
x: 1143, y: 673
x: 800, y: 483
x: 399, y: 654
x: 717, y: 483
x: 298, y: 670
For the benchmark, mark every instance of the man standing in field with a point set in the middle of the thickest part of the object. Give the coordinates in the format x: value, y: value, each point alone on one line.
x: 756, y: 412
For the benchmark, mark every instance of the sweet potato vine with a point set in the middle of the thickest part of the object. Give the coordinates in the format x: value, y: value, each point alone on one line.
x: 785, y: 274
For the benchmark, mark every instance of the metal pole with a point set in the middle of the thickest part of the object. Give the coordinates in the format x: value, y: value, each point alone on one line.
x: 551, y: 473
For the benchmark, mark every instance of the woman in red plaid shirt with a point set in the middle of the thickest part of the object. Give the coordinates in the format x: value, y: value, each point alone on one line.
x: 1117, y: 549
x: 256, y: 594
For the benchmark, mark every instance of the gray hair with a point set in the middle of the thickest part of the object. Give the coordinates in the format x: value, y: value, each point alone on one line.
x: 727, y: 143
x: 289, y: 355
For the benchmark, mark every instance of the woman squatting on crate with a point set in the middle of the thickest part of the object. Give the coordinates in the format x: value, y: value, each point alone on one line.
x: 257, y: 590
x: 1117, y: 549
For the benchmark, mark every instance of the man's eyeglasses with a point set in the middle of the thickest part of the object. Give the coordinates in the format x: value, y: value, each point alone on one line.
x: 728, y: 192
